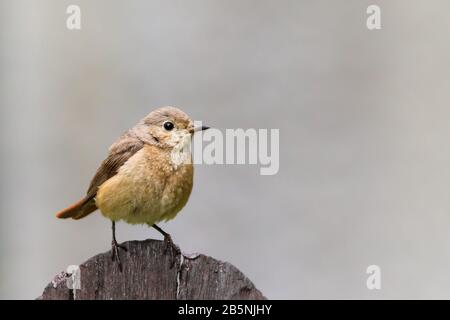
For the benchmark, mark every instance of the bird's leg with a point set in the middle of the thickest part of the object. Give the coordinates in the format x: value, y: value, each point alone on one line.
x: 169, y: 245
x: 115, y: 247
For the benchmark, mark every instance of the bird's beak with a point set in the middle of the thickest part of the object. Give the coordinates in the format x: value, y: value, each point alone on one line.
x: 197, y: 129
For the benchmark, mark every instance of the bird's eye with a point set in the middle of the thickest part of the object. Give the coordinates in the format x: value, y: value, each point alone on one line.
x: 168, y: 125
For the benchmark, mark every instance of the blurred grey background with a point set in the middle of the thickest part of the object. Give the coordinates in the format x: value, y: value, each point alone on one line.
x: 364, y: 127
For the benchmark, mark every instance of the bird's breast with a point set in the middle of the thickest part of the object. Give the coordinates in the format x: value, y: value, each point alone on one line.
x: 148, y: 188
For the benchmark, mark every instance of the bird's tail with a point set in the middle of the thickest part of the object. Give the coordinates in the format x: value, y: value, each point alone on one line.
x: 78, y: 210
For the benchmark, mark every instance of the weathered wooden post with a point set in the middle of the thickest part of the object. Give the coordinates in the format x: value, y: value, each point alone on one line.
x: 148, y: 274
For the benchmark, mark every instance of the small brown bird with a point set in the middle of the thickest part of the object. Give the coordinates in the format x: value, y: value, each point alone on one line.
x: 146, y: 178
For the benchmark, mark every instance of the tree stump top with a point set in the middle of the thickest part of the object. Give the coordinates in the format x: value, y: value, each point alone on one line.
x: 148, y: 273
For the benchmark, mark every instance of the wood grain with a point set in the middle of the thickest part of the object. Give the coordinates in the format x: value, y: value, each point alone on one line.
x: 148, y: 274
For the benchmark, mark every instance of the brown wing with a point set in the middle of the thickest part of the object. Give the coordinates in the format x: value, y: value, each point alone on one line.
x: 125, y: 147
x: 119, y: 153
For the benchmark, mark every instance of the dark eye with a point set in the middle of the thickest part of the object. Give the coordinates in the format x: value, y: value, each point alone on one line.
x: 168, y: 125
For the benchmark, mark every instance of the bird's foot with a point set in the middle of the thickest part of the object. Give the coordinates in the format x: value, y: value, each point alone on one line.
x: 115, y: 252
x: 172, y: 248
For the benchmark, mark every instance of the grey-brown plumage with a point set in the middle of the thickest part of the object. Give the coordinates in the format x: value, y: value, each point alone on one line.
x: 148, y: 174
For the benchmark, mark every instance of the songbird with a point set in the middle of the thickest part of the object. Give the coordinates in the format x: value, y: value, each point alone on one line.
x: 146, y: 178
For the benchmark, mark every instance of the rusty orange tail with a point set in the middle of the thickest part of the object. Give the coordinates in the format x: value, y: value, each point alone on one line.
x: 78, y: 210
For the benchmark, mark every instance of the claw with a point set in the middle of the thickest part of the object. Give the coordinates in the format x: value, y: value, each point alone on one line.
x: 169, y: 245
x: 115, y: 253
x: 173, y: 249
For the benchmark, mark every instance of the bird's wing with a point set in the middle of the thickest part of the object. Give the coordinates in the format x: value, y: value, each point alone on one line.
x: 125, y: 147
x: 119, y: 153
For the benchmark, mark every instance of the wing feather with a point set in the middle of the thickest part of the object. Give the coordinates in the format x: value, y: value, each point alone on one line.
x: 119, y: 153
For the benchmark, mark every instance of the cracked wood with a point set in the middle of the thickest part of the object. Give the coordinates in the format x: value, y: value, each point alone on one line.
x: 147, y: 274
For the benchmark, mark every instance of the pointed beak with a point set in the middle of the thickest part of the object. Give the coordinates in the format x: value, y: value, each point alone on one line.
x: 196, y: 129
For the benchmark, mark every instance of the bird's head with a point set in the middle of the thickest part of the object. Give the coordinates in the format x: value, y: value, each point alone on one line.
x: 170, y: 126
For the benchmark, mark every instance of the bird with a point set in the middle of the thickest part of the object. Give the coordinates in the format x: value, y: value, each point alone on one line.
x: 146, y: 178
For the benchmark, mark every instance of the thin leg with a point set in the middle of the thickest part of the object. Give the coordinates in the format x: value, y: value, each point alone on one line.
x: 115, y: 247
x: 169, y: 245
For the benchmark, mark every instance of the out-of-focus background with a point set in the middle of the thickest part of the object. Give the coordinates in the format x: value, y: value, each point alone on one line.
x: 364, y: 119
